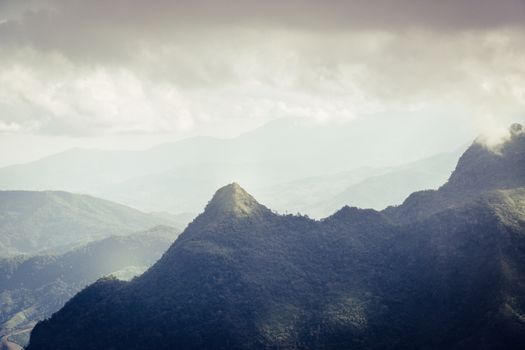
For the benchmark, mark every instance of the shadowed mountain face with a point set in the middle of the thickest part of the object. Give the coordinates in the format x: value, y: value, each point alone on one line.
x: 500, y: 168
x: 445, y: 270
x: 480, y: 169
x: 31, y: 289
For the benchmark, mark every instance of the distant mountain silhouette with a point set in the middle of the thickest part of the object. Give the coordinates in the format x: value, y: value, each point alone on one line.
x: 391, y: 186
x: 181, y: 176
x: 444, y: 270
x: 55, y: 221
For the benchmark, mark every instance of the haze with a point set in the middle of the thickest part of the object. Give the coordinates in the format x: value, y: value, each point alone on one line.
x: 131, y: 75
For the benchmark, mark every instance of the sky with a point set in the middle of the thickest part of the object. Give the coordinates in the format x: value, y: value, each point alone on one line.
x: 130, y: 74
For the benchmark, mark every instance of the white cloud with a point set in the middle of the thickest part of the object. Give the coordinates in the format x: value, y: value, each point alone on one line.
x: 8, y: 127
x: 88, y: 69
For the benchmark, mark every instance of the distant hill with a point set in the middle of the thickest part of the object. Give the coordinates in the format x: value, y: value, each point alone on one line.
x: 31, y: 289
x: 392, y: 186
x: 308, y: 195
x: 55, y: 221
x: 181, y: 176
x: 444, y: 270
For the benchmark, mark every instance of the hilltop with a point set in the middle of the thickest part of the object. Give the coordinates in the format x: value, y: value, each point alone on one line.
x: 55, y: 221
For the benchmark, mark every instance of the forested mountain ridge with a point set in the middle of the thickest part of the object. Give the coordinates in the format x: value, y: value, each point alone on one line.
x: 32, y: 288
x: 444, y: 270
x: 480, y: 169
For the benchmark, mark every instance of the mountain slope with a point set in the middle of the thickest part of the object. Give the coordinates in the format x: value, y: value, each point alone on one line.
x: 242, y: 277
x: 480, y: 169
x: 31, y: 289
x: 36, y: 221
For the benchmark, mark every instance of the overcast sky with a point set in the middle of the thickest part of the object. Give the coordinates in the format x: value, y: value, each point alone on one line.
x: 130, y: 73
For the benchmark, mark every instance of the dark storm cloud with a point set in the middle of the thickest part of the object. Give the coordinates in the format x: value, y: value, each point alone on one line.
x: 383, y: 14
x: 63, y: 24
x: 70, y: 67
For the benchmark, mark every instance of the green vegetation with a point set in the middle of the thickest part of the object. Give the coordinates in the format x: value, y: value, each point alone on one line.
x: 38, y: 222
x: 444, y: 270
x: 31, y: 289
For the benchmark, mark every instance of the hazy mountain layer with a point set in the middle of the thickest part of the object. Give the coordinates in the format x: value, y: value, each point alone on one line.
x: 391, y: 186
x: 182, y: 176
x: 31, y: 289
x: 445, y: 273
x: 31, y: 222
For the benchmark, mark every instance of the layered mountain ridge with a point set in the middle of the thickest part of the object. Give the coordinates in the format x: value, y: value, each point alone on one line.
x: 34, y: 222
x: 444, y: 270
x: 32, y: 288
x: 180, y: 177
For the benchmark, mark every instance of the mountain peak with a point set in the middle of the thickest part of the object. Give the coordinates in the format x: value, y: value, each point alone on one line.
x: 232, y: 199
x: 482, y: 168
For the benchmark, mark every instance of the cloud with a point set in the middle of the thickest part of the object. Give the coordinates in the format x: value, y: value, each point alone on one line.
x: 113, y: 29
x: 122, y: 67
x: 8, y: 127
x: 88, y: 103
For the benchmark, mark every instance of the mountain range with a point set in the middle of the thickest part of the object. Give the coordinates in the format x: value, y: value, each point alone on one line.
x: 386, y: 187
x: 180, y: 177
x: 443, y: 270
x: 37, y: 222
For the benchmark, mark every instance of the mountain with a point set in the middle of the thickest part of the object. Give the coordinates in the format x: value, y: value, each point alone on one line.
x: 32, y: 222
x: 181, y: 176
x: 444, y: 270
x: 390, y: 186
x: 480, y: 169
x: 318, y: 195
x: 31, y: 289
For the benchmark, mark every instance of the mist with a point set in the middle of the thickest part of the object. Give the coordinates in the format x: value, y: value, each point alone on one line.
x: 129, y: 76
